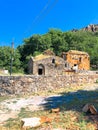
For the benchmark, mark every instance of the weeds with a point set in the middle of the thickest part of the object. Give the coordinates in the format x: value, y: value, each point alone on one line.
x: 70, y: 120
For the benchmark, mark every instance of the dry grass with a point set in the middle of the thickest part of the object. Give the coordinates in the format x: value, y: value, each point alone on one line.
x: 70, y: 116
x: 69, y: 120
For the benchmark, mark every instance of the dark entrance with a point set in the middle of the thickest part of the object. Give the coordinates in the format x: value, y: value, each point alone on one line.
x: 41, y: 70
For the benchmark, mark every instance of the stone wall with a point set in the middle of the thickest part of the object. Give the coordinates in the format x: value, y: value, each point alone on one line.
x: 29, y: 84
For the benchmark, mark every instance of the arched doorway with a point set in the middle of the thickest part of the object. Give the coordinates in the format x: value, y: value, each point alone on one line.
x: 41, y: 69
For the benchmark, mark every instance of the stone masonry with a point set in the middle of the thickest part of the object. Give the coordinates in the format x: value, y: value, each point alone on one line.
x: 32, y: 84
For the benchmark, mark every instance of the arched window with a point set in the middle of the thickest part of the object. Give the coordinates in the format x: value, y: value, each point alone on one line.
x: 41, y: 69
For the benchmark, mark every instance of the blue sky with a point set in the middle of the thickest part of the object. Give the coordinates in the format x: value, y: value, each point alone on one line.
x: 21, y: 19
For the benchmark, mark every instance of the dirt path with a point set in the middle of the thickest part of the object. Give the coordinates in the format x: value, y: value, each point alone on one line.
x: 11, y: 107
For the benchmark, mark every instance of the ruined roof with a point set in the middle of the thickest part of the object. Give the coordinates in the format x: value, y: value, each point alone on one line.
x: 46, y: 54
x: 77, y: 52
x: 41, y: 57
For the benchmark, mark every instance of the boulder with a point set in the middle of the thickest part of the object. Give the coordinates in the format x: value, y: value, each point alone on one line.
x: 33, y: 122
x: 55, y: 110
x: 90, y: 108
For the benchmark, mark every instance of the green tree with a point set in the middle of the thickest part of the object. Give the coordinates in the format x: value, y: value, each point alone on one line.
x: 59, y: 41
x: 5, y: 59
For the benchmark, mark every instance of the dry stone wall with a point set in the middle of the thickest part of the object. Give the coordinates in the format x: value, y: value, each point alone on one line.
x: 32, y: 84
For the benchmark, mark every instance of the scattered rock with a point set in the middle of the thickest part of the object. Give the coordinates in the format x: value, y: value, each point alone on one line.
x: 30, y: 122
x: 85, y: 108
x: 33, y: 122
x: 55, y: 110
x: 90, y: 108
x: 93, y: 110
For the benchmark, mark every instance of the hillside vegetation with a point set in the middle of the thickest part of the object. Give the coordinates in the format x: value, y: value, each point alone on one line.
x: 55, y: 40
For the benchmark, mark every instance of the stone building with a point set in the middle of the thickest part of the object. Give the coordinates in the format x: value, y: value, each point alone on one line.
x: 46, y: 64
x: 77, y: 60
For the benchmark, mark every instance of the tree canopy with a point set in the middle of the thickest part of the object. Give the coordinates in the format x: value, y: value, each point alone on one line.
x: 55, y: 40
x: 6, y: 54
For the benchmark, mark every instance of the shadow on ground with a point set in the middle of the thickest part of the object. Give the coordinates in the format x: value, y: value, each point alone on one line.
x: 72, y: 100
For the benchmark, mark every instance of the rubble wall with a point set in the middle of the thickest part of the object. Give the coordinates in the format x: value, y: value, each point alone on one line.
x: 31, y: 84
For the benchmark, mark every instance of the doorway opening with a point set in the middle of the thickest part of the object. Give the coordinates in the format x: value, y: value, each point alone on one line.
x: 41, y: 70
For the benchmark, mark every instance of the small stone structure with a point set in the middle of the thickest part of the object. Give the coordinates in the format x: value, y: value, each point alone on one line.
x: 77, y: 60
x: 46, y: 64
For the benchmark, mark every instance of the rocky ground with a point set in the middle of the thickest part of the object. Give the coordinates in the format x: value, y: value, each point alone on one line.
x: 10, y: 108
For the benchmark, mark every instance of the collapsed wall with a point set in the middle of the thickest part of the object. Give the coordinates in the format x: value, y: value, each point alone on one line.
x: 32, y: 84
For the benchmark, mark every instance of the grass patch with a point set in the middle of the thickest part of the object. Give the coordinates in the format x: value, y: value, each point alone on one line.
x: 2, y: 98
